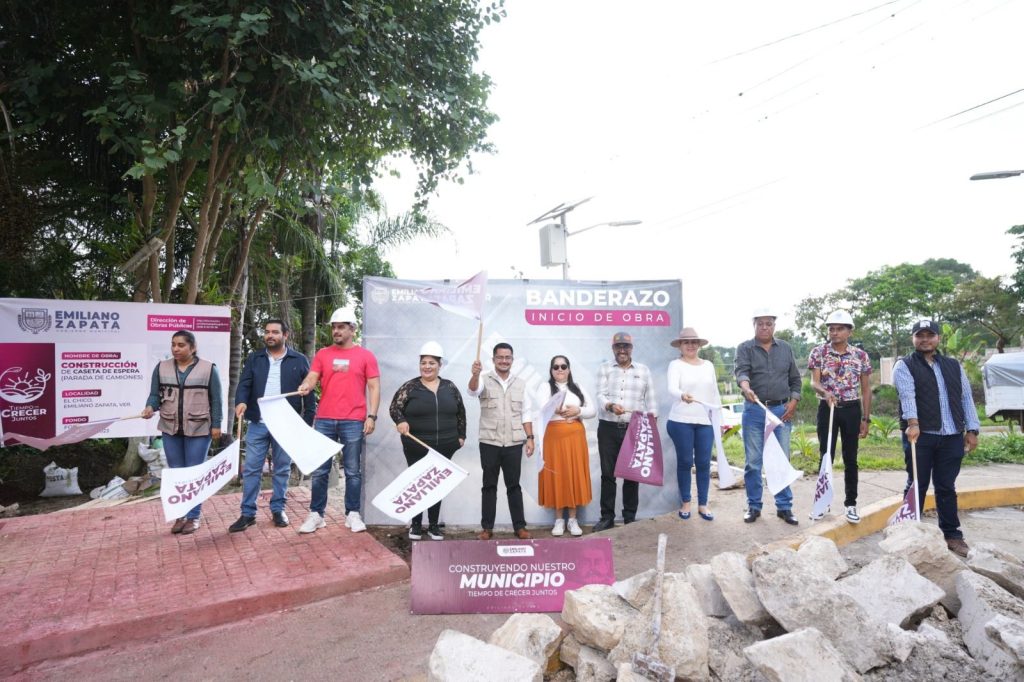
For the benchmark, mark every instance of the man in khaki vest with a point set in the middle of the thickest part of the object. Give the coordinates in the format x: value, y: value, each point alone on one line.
x: 505, y: 424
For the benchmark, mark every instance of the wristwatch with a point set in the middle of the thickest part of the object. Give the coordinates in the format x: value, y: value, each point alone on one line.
x: 372, y: 416
x: 529, y: 438
x: 974, y: 431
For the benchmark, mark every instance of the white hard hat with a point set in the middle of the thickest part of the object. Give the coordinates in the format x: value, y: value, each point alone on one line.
x: 764, y: 312
x: 346, y: 314
x: 840, y: 317
x: 432, y: 348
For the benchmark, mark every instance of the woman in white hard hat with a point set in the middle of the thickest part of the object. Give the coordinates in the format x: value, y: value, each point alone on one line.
x: 431, y: 409
x: 564, y: 482
x: 692, y: 381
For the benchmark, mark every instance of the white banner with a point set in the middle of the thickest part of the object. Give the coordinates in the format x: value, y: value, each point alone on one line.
x: 423, y: 484
x: 541, y: 425
x: 70, y: 363
x: 726, y: 476
x: 307, y: 448
x: 185, y: 487
x: 777, y: 470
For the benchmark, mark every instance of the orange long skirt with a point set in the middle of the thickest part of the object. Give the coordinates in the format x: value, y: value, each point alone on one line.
x: 565, y: 479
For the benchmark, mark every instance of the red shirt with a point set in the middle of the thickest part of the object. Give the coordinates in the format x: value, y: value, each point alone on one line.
x: 343, y: 375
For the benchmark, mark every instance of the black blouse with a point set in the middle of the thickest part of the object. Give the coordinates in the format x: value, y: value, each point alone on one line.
x: 439, y: 417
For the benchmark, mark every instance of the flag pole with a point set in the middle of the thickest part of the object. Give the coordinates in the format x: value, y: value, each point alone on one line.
x: 479, y: 339
x: 828, y: 446
x: 241, y: 457
x: 409, y: 435
x: 917, y: 488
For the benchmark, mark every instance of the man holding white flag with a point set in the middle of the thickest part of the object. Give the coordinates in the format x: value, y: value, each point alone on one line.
x: 766, y: 373
x: 349, y: 377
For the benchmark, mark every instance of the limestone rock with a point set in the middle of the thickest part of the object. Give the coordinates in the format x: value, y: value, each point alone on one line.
x: 569, y: 650
x: 925, y: 548
x: 684, y: 637
x: 892, y: 591
x: 802, y: 655
x: 798, y: 597
x: 636, y: 589
x: 624, y: 673
x: 981, y: 601
x: 1003, y: 568
x: 593, y: 666
x: 823, y: 554
x: 728, y: 638
x: 533, y: 635
x: 901, y: 641
x: 1008, y: 634
x: 597, y: 615
x: 457, y: 657
x: 930, y: 632
x: 709, y: 594
x: 737, y: 585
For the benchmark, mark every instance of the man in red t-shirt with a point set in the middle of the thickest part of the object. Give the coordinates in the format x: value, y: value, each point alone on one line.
x: 347, y: 374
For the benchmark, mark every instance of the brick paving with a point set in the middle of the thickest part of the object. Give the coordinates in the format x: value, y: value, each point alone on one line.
x: 82, y: 580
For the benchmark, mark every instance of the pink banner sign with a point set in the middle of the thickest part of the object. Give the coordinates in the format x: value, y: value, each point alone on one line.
x: 598, y: 317
x: 498, y: 576
x: 640, y: 455
x: 197, y: 323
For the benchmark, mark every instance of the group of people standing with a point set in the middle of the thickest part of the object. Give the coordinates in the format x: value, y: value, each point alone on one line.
x: 936, y: 411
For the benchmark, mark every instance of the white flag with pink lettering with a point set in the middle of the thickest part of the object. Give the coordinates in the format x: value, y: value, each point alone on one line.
x: 466, y: 299
x: 424, y: 483
x: 185, y: 487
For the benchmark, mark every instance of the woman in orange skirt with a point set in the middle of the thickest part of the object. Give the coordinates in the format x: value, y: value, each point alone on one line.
x: 564, y: 483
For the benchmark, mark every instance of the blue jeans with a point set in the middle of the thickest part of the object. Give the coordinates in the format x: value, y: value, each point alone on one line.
x: 348, y: 432
x: 692, y: 442
x: 257, y: 441
x: 753, y: 446
x: 186, y: 451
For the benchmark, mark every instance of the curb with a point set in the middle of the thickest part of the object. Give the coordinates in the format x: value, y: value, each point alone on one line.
x: 875, y: 516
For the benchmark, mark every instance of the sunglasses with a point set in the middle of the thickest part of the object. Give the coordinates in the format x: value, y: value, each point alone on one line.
x: 559, y: 366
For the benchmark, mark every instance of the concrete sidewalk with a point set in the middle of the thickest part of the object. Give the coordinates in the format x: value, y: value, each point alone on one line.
x: 82, y: 580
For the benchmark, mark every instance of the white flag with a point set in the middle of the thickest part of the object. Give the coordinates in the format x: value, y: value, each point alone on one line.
x: 423, y: 484
x: 777, y: 469
x: 466, y: 299
x: 540, y: 426
x: 307, y: 448
x: 824, y: 491
x: 185, y: 487
x: 726, y: 477
x: 75, y: 434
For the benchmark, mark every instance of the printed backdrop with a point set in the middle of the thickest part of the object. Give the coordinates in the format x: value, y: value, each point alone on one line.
x: 72, y: 362
x: 540, y: 318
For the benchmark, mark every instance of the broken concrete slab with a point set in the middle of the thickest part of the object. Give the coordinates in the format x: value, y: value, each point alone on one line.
x: 802, y: 655
x: 597, y: 615
x: 457, y: 657
x: 533, y: 635
x: 823, y: 554
x: 588, y: 664
x: 891, y: 589
x: 925, y: 548
x: 728, y: 638
x: 637, y: 589
x: 737, y: 584
x: 798, y: 597
x: 981, y: 601
x: 1007, y: 633
x: 709, y: 594
x: 1003, y: 568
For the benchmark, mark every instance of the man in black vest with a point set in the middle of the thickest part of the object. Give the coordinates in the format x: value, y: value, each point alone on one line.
x: 937, y: 413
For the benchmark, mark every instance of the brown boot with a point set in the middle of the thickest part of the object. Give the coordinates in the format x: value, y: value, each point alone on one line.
x: 957, y: 546
x: 191, y: 526
x: 523, y: 534
x: 178, y: 525
x: 485, y: 534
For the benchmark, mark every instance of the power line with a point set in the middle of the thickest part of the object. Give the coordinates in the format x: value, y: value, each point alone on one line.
x: 976, y: 106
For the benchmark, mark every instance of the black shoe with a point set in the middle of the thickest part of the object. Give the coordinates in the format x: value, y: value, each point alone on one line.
x: 627, y: 519
x: 435, y: 532
x: 751, y: 515
x: 604, y: 524
x: 787, y: 516
x: 280, y: 519
x: 242, y: 523
x: 415, y: 531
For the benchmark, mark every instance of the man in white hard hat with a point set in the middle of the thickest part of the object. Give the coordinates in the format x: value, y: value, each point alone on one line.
x: 349, y: 378
x: 766, y: 372
x: 840, y: 375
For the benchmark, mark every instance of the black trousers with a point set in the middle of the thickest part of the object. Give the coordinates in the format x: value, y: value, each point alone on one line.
x: 846, y: 424
x: 938, y: 461
x: 507, y: 461
x: 414, y: 452
x: 609, y: 441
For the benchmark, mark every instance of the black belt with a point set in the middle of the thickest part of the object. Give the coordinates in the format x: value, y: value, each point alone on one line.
x: 621, y: 425
x: 847, y: 403
x: 776, y: 403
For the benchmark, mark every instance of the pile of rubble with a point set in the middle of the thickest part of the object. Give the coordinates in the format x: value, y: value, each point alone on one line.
x: 916, y: 612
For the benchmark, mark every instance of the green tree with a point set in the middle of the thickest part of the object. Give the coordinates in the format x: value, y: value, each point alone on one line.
x: 1018, y: 258
x: 987, y: 304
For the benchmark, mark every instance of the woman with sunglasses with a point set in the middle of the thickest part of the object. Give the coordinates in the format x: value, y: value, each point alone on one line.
x: 564, y: 482
x: 692, y: 381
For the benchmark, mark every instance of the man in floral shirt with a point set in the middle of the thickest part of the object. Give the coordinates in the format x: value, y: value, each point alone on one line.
x: 840, y: 376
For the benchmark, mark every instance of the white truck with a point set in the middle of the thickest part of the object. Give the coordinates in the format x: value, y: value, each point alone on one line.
x: 1003, y: 374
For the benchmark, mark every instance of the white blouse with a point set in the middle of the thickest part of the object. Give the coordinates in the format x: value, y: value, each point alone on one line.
x: 697, y: 380
x: 543, y: 395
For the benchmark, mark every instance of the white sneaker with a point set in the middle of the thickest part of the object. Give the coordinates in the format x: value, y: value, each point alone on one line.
x: 312, y: 523
x: 559, y: 528
x: 818, y: 517
x: 354, y: 521
x: 574, y: 528
x: 851, y: 515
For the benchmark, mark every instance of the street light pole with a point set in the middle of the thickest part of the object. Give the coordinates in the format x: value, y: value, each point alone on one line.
x: 996, y: 175
x: 613, y: 223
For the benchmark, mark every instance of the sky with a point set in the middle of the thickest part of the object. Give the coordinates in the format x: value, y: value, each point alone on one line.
x: 772, y: 150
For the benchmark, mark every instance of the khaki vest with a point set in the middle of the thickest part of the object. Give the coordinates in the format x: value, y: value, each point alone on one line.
x: 501, y: 412
x: 185, y: 409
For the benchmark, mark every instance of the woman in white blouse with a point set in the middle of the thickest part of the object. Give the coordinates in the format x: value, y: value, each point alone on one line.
x: 692, y: 381
x: 564, y: 482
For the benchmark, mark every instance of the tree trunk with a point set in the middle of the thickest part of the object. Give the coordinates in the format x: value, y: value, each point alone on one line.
x: 235, y: 362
